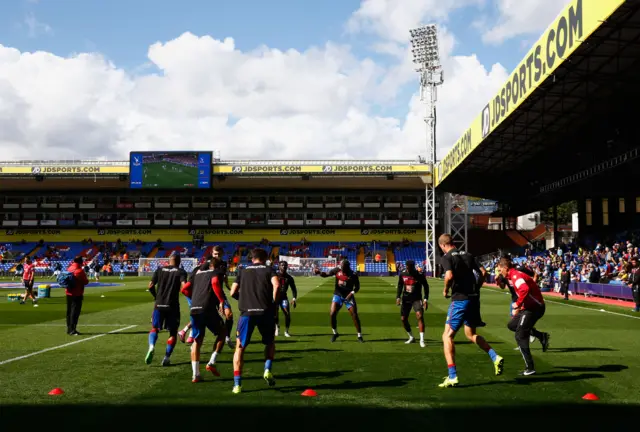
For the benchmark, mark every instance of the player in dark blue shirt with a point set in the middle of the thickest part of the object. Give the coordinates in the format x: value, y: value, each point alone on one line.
x: 462, y: 278
x: 286, y: 281
x: 347, y: 285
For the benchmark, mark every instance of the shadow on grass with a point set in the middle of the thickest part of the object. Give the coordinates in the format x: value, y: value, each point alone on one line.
x: 314, y: 416
x: 579, y: 349
x: 351, y: 385
x: 308, y: 350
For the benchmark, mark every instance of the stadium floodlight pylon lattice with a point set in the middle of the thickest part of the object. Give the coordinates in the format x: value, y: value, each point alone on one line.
x: 146, y: 266
x: 306, y: 266
x: 426, y: 57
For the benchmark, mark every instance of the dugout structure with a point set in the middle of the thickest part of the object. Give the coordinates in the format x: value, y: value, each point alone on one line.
x: 563, y: 127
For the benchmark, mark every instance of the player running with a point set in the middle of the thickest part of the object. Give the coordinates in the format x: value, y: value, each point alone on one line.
x: 286, y: 282
x: 206, y: 261
x: 218, y: 253
x: 207, y: 298
x: 347, y: 285
x: 256, y: 288
x: 409, y: 296
x: 169, y: 280
x: 461, y: 279
x: 528, y: 308
x: 28, y: 279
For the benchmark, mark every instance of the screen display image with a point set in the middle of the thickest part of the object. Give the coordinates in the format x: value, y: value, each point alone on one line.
x: 170, y: 170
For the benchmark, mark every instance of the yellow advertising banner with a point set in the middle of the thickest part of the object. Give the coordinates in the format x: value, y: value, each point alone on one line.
x: 321, y: 169
x: 570, y: 29
x: 63, y: 169
x: 212, y: 235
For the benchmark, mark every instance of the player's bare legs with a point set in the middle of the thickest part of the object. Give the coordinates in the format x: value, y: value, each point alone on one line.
x: 287, y: 320
x: 356, y: 321
x: 228, y: 324
x: 238, y: 363
x: 195, y: 358
x: 218, y: 345
x: 335, y: 308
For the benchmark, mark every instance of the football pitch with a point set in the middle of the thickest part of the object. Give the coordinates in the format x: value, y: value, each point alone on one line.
x: 175, y: 176
x: 381, y: 383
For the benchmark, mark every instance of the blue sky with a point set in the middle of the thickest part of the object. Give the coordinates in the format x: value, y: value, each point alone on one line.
x: 349, y: 99
x: 122, y: 30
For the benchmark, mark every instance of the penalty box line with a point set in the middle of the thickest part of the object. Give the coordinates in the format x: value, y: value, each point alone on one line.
x: 65, y: 345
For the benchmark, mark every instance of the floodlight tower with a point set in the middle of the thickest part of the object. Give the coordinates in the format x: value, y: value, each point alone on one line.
x: 426, y: 57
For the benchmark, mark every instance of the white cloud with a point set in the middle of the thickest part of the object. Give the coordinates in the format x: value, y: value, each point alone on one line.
x: 36, y: 28
x: 203, y: 93
x: 522, y: 17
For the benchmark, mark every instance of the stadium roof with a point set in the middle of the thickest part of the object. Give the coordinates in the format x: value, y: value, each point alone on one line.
x: 565, y: 117
x: 235, y: 175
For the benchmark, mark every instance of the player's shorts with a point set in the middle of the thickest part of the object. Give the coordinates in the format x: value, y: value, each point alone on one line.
x: 201, y: 322
x: 28, y: 284
x: 284, y: 303
x: 226, y: 305
x: 166, y: 319
x: 341, y: 301
x: 463, y: 312
x: 189, y: 301
x: 407, y: 305
x: 266, y: 326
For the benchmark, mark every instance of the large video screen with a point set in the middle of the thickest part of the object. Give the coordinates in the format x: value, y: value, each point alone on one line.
x: 170, y: 170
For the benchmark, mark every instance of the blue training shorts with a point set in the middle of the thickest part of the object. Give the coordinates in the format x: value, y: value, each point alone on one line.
x: 341, y: 301
x: 201, y: 322
x: 166, y: 319
x: 284, y: 303
x: 189, y: 302
x: 463, y: 312
x: 266, y: 324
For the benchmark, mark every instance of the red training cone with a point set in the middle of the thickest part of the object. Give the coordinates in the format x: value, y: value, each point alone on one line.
x: 590, y: 396
x: 56, y: 392
x: 309, y: 392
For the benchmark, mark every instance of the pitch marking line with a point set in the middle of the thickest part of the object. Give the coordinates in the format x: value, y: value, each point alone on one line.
x: 493, y: 290
x: 62, y: 325
x: 65, y: 345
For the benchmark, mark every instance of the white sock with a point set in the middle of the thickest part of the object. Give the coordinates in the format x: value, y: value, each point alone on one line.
x: 410, y: 335
x: 152, y: 347
x: 334, y: 331
x: 359, y: 334
x: 213, y: 358
x: 191, y: 334
x: 195, y: 366
x: 185, y: 329
x: 422, y: 336
x: 227, y: 339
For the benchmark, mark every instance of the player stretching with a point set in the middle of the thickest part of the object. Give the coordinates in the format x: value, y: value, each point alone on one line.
x: 169, y: 280
x: 528, y: 309
x: 207, y: 297
x: 218, y: 252
x: 206, y: 261
x: 256, y: 288
x: 461, y: 278
x: 28, y: 279
x: 409, y: 296
x: 286, y: 282
x: 347, y: 285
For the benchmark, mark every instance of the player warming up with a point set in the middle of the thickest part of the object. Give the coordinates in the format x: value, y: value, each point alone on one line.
x: 409, y: 296
x: 207, y: 298
x: 218, y: 252
x: 286, y: 281
x: 165, y: 287
x: 256, y: 288
x: 347, y: 285
x: 528, y: 308
x: 461, y: 279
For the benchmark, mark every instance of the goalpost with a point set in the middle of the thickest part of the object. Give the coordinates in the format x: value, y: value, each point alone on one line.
x: 146, y: 266
x: 307, y: 266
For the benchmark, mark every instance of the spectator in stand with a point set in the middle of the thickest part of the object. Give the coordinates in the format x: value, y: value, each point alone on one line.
x: 634, y: 282
x: 75, y: 295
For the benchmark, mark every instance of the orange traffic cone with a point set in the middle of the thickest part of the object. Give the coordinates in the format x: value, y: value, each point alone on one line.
x: 309, y: 392
x: 591, y: 397
x: 56, y: 391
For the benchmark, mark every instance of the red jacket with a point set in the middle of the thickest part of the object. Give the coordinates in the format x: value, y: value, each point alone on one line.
x: 529, y: 295
x: 80, y: 280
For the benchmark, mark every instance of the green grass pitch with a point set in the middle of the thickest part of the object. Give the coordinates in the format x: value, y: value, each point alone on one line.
x: 175, y: 176
x: 381, y: 383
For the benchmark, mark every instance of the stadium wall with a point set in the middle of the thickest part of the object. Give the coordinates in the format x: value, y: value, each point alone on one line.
x: 603, y: 218
x: 213, y: 235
